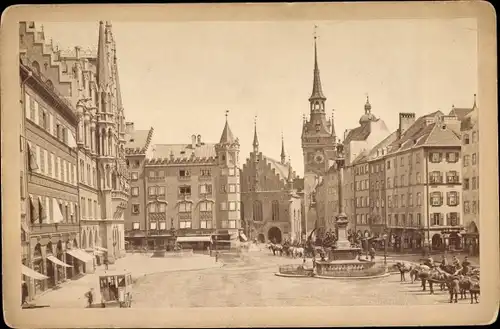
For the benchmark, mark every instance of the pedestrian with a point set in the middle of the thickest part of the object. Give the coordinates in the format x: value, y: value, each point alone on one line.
x: 106, y: 263
x: 24, y: 293
x: 90, y: 297
x: 216, y: 256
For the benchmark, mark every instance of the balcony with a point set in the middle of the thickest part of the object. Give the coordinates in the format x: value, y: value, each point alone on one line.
x: 184, y: 178
x: 436, y: 180
x: 205, y: 178
x: 453, y: 180
x: 156, y: 179
x: 119, y: 195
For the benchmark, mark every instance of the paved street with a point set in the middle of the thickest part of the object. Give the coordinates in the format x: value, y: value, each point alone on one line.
x: 251, y: 282
x: 197, y: 281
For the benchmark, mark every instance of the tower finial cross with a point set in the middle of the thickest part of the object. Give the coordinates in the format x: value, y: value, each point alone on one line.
x: 227, y: 113
x: 315, y: 33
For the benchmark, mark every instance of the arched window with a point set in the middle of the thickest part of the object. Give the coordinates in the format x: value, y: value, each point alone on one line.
x: 36, y: 67
x: 257, y: 211
x: 466, y: 139
x: 275, y: 210
x: 48, y: 249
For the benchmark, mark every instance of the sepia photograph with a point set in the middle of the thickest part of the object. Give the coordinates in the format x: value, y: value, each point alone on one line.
x: 215, y: 162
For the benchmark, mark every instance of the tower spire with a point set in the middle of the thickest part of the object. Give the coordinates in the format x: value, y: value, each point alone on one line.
x: 103, y: 73
x: 317, y: 91
x: 475, y: 105
x: 368, y: 106
x: 255, y: 138
x: 290, y: 174
x: 283, y: 155
x: 227, y: 136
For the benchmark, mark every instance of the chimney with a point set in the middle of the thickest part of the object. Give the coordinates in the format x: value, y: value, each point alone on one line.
x: 450, y: 121
x: 77, y: 52
x: 129, y: 127
x: 199, y: 141
x: 405, y: 122
x: 193, y: 141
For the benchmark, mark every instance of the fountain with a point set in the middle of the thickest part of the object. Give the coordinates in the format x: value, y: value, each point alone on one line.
x: 343, y: 260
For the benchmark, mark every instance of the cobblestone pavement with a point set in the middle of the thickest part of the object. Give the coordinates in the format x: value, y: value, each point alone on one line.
x: 251, y: 282
x: 70, y: 294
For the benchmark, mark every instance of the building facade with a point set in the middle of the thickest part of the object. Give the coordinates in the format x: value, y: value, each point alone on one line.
x: 470, y: 175
x: 423, y: 185
x: 191, y: 193
x: 50, y: 159
x: 271, y: 207
x: 136, y: 148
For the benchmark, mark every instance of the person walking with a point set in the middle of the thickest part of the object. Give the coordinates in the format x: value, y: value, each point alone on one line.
x: 90, y: 297
x: 106, y: 263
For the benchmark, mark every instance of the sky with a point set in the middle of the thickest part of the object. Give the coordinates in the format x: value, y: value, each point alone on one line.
x: 181, y: 77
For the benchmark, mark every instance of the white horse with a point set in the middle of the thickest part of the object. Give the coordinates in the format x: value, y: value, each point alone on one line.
x: 298, y: 252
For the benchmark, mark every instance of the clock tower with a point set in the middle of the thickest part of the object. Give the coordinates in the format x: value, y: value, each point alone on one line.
x: 318, y: 144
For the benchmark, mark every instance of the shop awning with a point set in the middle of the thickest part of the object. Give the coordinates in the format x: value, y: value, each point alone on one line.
x: 80, y: 254
x: 57, y: 261
x: 32, y: 273
x: 200, y: 238
x: 101, y: 249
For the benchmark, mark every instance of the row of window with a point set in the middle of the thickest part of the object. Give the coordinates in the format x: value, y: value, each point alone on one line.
x: 467, y: 159
x: 49, y: 164
x: 88, y: 208
x: 467, y: 139
x: 452, y: 199
x: 474, y: 209
x: 88, y: 174
x: 471, y: 183
x: 185, y: 224
x: 187, y: 207
x: 187, y: 173
x: 47, y: 210
x: 400, y: 220
x: 44, y: 119
x: 185, y: 191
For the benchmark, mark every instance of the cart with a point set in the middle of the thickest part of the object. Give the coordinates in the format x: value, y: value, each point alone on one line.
x: 115, y: 289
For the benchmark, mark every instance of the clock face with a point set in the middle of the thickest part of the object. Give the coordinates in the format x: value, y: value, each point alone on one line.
x: 319, y: 158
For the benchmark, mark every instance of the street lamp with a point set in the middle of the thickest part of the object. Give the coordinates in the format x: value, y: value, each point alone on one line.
x: 385, y: 248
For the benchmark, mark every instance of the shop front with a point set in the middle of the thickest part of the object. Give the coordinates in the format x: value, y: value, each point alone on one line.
x: 29, y: 277
x: 82, y: 260
x: 200, y: 242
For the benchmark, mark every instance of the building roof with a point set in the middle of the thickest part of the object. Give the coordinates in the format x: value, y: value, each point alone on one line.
x: 425, y: 133
x: 281, y: 169
x: 363, y: 156
x: 382, y: 145
x: 227, y: 136
x: 360, y: 133
x: 460, y: 112
x: 138, y: 141
x: 183, y: 151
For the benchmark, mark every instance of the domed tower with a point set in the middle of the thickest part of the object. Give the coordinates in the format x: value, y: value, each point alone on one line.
x: 368, y: 116
x: 228, y: 200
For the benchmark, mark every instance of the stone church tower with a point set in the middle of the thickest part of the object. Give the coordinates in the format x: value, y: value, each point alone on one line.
x: 318, y: 145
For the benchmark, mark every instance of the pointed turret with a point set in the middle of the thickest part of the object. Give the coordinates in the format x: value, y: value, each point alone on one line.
x: 283, y: 155
x: 333, y: 126
x: 290, y: 174
x: 317, y: 91
x: 119, y: 103
x: 227, y: 136
x: 103, y: 74
x: 255, y: 143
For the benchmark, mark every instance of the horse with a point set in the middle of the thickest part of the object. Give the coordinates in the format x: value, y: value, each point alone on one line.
x: 471, y: 284
x: 298, y: 252
x: 403, y: 268
x: 277, y: 249
x: 431, y: 276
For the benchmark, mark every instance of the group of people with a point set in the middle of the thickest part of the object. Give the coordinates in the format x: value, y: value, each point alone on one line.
x: 460, y: 267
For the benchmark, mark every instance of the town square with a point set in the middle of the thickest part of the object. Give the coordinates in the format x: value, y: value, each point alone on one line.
x: 204, y: 171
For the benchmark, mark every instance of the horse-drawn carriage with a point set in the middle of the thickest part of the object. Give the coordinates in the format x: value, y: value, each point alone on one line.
x: 115, y: 289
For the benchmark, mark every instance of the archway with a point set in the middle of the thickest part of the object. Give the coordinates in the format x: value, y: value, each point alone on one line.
x: 455, y: 240
x: 437, y: 241
x: 274, y: 235
x: 261, y: 237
